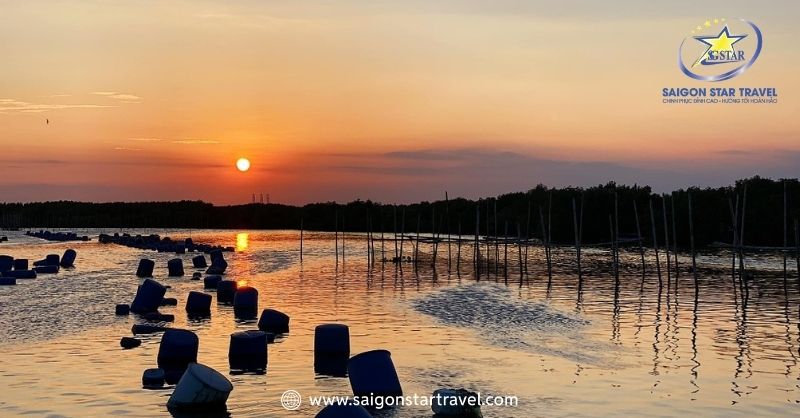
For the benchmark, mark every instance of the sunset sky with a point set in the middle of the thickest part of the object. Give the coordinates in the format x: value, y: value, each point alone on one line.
x: 395, y: 101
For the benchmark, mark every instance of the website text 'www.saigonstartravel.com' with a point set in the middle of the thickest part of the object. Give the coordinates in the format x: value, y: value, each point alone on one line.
x: 292, y: 400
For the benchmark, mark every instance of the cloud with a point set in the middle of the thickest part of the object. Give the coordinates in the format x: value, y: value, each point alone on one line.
x: 146, y: 139
x: 187, y: 141
x: 124, y: 97
x: 18, y: 106
x: 195, y: 141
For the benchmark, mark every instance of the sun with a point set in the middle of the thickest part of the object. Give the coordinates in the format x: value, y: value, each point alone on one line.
x: 243, y: 164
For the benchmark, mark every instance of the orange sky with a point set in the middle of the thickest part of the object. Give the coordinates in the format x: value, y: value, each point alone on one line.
x: 395, y: 101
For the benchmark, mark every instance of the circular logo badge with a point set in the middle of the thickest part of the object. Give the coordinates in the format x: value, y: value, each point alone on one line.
x: 720, y: 49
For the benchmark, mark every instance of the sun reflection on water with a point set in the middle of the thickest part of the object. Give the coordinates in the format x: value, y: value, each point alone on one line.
x: 242, y: 241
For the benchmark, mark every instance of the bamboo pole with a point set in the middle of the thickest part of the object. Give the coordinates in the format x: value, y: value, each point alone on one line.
x: 691, y: 242
x: 344, y: 246
x: 519, y: 251
x: 674, y: 235
x: 336, y: 234
x: 546, y: 242
x: 488, y: 233
x: 394, y: 215
x: 528, y: 233
x: 577, y: 238
x: 616, y: 234
x: 666, y: 238
x: 458, y: 250
x: 416, y: 248
x: 639, y: 235
x: 476, y: 251
x: 433, y: 234
x: 785, y: 239
x: 797, y: 251
x: 505, y: 253
x: 741, y: 239
x: 496, y: 243
x: 655, y: 242
x: 447, y: 229
x: 402, y: 233
x: 613, y: 246
x: 301, y: 239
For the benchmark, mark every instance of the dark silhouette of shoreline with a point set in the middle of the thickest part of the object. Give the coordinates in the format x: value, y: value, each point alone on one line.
x: 712, y: 217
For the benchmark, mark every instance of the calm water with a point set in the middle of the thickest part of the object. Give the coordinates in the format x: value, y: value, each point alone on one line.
x: 606, y: 348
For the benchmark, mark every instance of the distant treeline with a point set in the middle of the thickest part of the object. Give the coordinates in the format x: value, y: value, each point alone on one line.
x: 518, y: 212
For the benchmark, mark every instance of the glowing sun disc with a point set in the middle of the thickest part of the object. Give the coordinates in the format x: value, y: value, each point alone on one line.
x: 243, y: 164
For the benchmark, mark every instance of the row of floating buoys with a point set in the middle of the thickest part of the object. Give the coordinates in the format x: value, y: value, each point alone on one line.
x: 156, y: 243
x: 12, y: 269
x: 57, y: 236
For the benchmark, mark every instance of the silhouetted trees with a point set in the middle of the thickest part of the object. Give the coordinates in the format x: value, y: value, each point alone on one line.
x: 712, y: 215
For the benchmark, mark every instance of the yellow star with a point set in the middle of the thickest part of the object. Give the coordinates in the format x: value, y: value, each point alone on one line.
x: 708, y: 23
x: 699, y: 28
x: 716, y: 20
x: 720, y: 43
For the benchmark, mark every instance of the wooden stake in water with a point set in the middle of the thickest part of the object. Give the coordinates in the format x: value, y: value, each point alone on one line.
x: 797, y: 251
x: 616, y: 235
x: 613, y: 247
x: 402, y: 234
x: 336, y: 234
x: 519, y: 251
x: 785, y: 239
x: 505, y: 253
x: 546, y: 242
x: 394, y: 215
x: 674, y: 236
x: 416, y: 248
x: 447, y: 229
x: 666, y: 239
x: 577, y: 238
x: 691, y: 241
x: 301, y: 240
x: 639, y: 237
x: 496, y: 243
x: 458, y: 251
x: 343, y: 239
x: 476, y: 252
x: 655, y: 242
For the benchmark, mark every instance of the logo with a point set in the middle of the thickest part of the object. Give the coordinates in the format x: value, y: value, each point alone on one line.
x: 720, y: 49
x: 291, y: 400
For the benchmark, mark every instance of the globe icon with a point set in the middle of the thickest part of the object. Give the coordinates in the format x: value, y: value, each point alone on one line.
x: 291, y: 400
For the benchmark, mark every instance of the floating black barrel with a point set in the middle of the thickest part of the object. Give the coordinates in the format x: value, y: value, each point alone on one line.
x: 199, y: 261
x: 178, y: 348
x: 153, y: 378
x: 24, y: 274
x: 343, y: 411
x: 7, y: 281
x: 196, y: 275
x: 50, y: 260
x: 145, y: 268
x: 175, y: 267
x: 372, y: 373
x: 122, y: 309
x: 273, y: 321
x: 248, y: 351
x: 6, y: 263
x: 68, y: 259
x: 210, y: 282
x: 198, y: 304
x: 48, y: 269
x: 226, y: 289
x: 169, y: 302
x: 200, y: 389
x: 180, y: 249
x: 331, y: 349
x: 245, y: 302
x: 129, y: 342
x: 218, y: 263
x: 19, y: 264
x: 148, y: 297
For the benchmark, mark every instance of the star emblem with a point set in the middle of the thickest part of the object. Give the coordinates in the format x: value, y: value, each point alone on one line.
x: 722, y: 43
